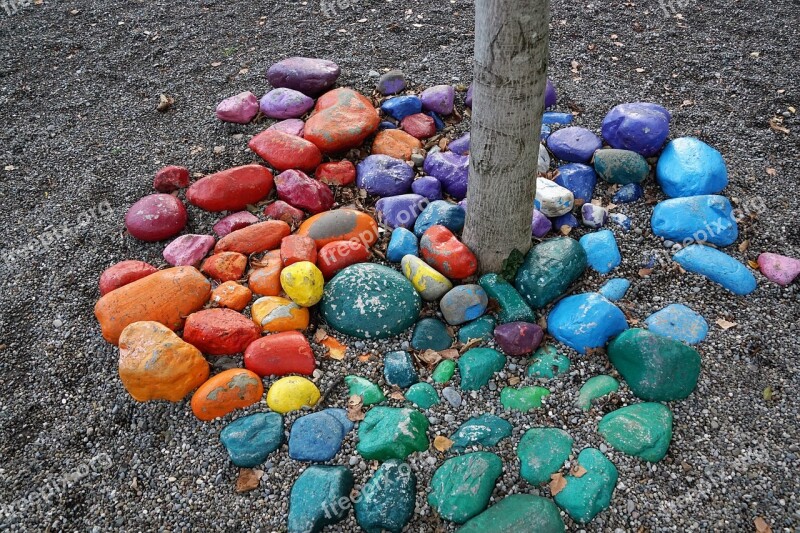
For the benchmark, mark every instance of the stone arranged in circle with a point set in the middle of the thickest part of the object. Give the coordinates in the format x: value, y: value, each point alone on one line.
x: 574, y: 144
x: 227, y: 391
x: 515, y: 513
x: 316, y: 437
x: 717, y: 266
x: 586, y: 496
x: 579, y: 178
x: 284, y: 151
x: 486, y: 430
x: 548, y: 363
x: 423, y: 395
x: 220, y: 331
x: 690, y: 167
x: 240, y: 108
x: 585, y: 321
x: 427, y: 281
x: 401, y: 210
x: 308, y: 75
x: 602, y: 252
x: 620, y: 166
x: 232, y: 189
x: 317, y: 496
x: 122, y: 273
x: 678, y: 322
x: 706, y: 218
x: 643, y: 430
x: 388, y: 498
x: 440, y: 213
x: 542, y: 451
x: 639, y: 126
x: 279, y: 354
x: 549, y: 269
x: 292, y: 393
x: 383, y: 175
x: 594, y: 388
x: 188, y: 250
x: 340, y: 225
x: 523, y: 399
x: 462, y: 486
x: 451, y: 169
x: 250, y: 439
x: 478, y: 365
x: 342, y: 119
x: 282, y: 103
x: 156, y: 217
x: 431, y: 334
x: 392, y: 433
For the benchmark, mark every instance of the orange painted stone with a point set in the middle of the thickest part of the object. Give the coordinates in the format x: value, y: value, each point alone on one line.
x: 227, y: 391
x: 166, y: 296
x: 395, y: 143
x: 275, y: 314
x: 231, y: 295
x: 337, y: 255
x: 265, y: 278
x: 155, y: 364
x: 296, y: 248
x: 280, y: 210
x: 340, y: 225
x: 232, y: 189
x: 342, y: 119
x: 255, y: 238
x: 336, y: 172
x: 123, y: 273
x: 220, y: 331
x: 225, y: 266
x: 284, y: 151
x: 280, y: 354
x: 443, y: 251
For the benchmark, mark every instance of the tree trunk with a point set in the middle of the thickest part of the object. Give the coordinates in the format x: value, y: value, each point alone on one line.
x: 511, y: 46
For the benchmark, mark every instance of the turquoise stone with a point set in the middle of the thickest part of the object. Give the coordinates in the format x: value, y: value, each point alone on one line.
x: 596, y: 387
x: 542, y: 452
x: 643, y: 430
x: 517, y: 513
x: 512, y: 307
x: 486, y: 430
x: 524, y: 399
x: 586, y: 496
x: 444, y: 371
x: 317, y: 496
x: 461, y: 487
x: 481, y: 329
x: 478, y: 365
x: 431, y: 334
x: 387, y: 499
x: 547, y: 362
x: 423, y: 395
x: 549, y: 269
x: 392, y: 433
x: 250, y: 439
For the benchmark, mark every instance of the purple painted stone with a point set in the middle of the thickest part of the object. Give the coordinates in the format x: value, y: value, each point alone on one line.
x: 427, y: 186
x: 438, y: 99
x: 594, y: 216
x: 240, y: 108
x: 518, y: 338
x: 460, y: 145
x: 156, y: 217
x: 188, y: 250
x: 779, y: 268
x: 468, y: 99
x: 451, y: 169
x: 391, y: 82
x: 400, y: 211
x: 638, y: 126
x: 550, y: 95
x: 574, y: 144
x: 540, y: 225
x: 383, y: 175
x: 298, y: 190
x: 308, y: 75
x: 292, y: 126
x: 285, y: 103
x: 233, y: 222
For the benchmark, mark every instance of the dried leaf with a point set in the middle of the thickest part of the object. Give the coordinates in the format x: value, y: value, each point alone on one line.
x: 772, y: 172
x: 565, y: 229
x: 557, y: 483
x: 577, y: 470
x: 164, y: 103
x: 639, y: 70
x: 355, y: 408
x: 430, y: 357
x: 753, y: 264
x: 514, y: 380
x: 767, y: 393
x: 320, y: 335
x: 450, y: 353
x: 442, y: 443
x: 724, y: 324
x: 791, y: 110
x: 364, y: 357
x: 470, y: 343
x: 397, y: 395
x: 336, y: 349
x: 216, y: 63
x: 761, y: 525
x: 248, y: 479
x: 775, y: 124
x: 745, y: 244
x: 645, y: 272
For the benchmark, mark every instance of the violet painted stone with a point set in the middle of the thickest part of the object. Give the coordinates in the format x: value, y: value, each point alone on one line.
x: 383, y: 175
x: 400, y: 211
x: 438, y: 99
x: 156, y: 217
x: 779, y: 268
x: 550, y: 95
x: 298, y: 190
x: 308, y: 75
x: 578, y: 178
x: 292, y: 126
x: 240, y: 108
x: 574, y: 144
x: 518, y: 338
x: 285, y: 103
x: 427, y: 186
x: 233, y: 222
x: 594, y: 216
x: 638, y: 126
x: 451, y: 169
x: 468, y: 98
x: 188, y: 250
x: 540, y: 225
x: 391, y: 82
x: 460, y: 145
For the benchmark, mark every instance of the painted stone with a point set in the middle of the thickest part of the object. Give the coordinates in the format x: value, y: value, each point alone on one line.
x: 255, y: 238
x: 395, y: 143
x: 423, y: 395
x: 523, y: 399
x: 382, y: 175
x: 481, y: 329
x: 690, y: 167
x: 463, y: 304
x: 542, y: 451
x: 231, y: 295
x: 227, y: 391
x: 234, y: 221
x: 643, y: 430
x: 387, y: 499
x: 580, y: 179
x: 240, y: 108
x: 156, y: 217
x: 338, y: 255
x: 220, y: 331
x: 280, y: 354
x: 639, y: 126
x: 370, y: 393
x: 284, y: 151
x: 440, y: 213
x: 585, y: 497
x: 594, y: 388
x: 275, y: 314
x: 392, y: 433
x: 124, y: 272
x: 451, y: 169
x: 574, y: 144
x: 339, y: 173
x: 441, y: 249
x: 602, y: 252
x: 512, y: 307
x: 485, y: 430
x: 549, y: 269
x: 717, y: 266
x: 478, y: 365
x: 303, y: 283
x: 318, y: 489
x: 707, y: 218
x: 403, y: 242
x: 462, y: 486
x: 585, y: 321
x: 316, y: 437
x: 342, y: 119
x: 225, y: 266
x: 292, y: 393
x: 188, y: 250
x: 398, y: 369
x: 620, y: 166
x: 678, y: 322
x: 515, y: 513
x: 232, y: 189
x: 250, y: 439
x: 548, y: 363
x: 308, y: 75
x: 552, y: 200
x: 431, y: 334
x: 518, y: 338
x: 340, y: 225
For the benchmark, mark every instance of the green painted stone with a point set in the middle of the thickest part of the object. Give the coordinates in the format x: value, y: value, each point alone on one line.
x: 517, y: 513
x: 315, y: 498
x: 370, y: 301
x: 387, y: 499
x: 512, y: 307
x: 423, y: 395
x: 486, y: 430
x: 444, y: 371
x: 461, y: 487
x: 643, y: 430
x: 655, y: 368
x: 477, y: 366
x: 481, y: 328
x: 547, y: 362
x: 594, y: 388
x: 363, y: 387
x: 542, y: 452
x: 524, y: 399
x: 584, y: 497
x: 620, y: 166
x: 392, y: 433
x: 549, y: 269
x: 431, y: 334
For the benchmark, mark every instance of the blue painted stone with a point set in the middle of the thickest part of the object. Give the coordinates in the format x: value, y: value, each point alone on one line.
x: 540, y: 224
x: 460, y: 145
x: 486, y: 430
x: 400, y: 211
x: 578, y: 178
x: 544, y: 132
x: 383, y: 175
x: 615, y: 289
x: 387, y: 500
x: 706, y: 218
x: 398, y: 369
x: 440, y: 213
x: 555, y: 117
x: 639, y: 126
x: 314, y: 500
x: 250, y: 439
x: 400, y: 107
x: 386, y: 125
x: 678, y: 322
x: 550, y: 95
x: 402, y: 243
x: 427, y: 186
x: 341, y: 416
x: 628, y: 193
x: 690, y: 167
x: 451, y: 169
x: 437, y: 120
x: 574, y: 144
x: 316, y: 437
x: 463, y: 303
x: 717, y: 266
x: 478, y: 365
x: 623, y: 221
x: 481, y: 328
x: 567, y: 219
x: 601, y: 250
x: 431, y: 334
x: 585, y: 321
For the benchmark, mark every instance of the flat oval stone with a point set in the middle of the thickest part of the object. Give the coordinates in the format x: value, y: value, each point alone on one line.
x: 423, y: 395
x: 462, y: 486
x: 523, y: 399
x: 463, y: 303
x: 481, y: 329
x: 643, y: 430
x: 398, y: 369
x: 441, y: 249
x: 188, y: 250
x: 515, y: 513
x: 232, y: 189
x: 156, y: 217
x: 316, y: 437
x: 284, y: 103
x: 336, y: 172
x: 478, y: 365
x: 451, y: 169
x: 428, y: 282
x: 370, y: 393
x: 549, y: 269
x: 392, y: 433
x: 706, y: 218
x: 594, y: 388
x: 778, y: 268
x: 399, y: 107
x: 395, y: 143
x: 388, y: 498
x: 717, y: 266
x: 620, y: 166
x: 284, y: 151
x: 518, y: 338
x: 315, y: 500
x: 678, y: 322
x: 275, y: 314
x: 585, y: 321
x: 486, y: 430
x: 303, y: 283
x: 292, y: 393
x: 431, y: 334
x: 542, y: 451
x: 220, y: 331
x: 231, y: 295
x: 444, y: 371
x: 280, y: 354
x: 602, y: 252
x: 580, y: 179
x: 171, y: 178
x: 298, y: 190
x: 615, y: 289
x: 254, y: 238
x: 419, y: 125
x: 234, y: 221
x: 552, y: 199
x: 342, y: 119
x: 548, y: 363
x: 229, y: 390
x: 400, y: 211
x: 383, y: 175
x: 440, y: 213
x: 308, y: 75
x: 585, y: 497
x: 639, y: 126
x: 391, y: 82
x: 240, y: 108
x: 124, y: 272
x: 225, y: 266
x: 403, y: 242
x: 427, y: 186
x: 250, y: 439
x: 340, y: 225
x: 574, y: 144
x: 689, y: 167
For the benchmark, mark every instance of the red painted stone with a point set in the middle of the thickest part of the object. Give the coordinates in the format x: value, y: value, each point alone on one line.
x: 419, y: 125
x: 255, y: 238
x: 284, y: 151
x: 280, y: 354
x: 444, y: 252
x: 171, y: 178
x: 232, y: 189
x: 156, y: 217
x: 123, y: 273
x: 280, y: 210
x: 225, y: 266
x: 336, y: 172
x: 337, y: 255
x: 341, y: 120
x: 302, y: 192
x: 296, y: 248
x: 220, y: 331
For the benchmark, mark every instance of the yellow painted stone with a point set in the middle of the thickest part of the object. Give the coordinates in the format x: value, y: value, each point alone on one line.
x: 303, y: 283
x: 275, y: 314
x: 428, y: 281
x: 292, y: 393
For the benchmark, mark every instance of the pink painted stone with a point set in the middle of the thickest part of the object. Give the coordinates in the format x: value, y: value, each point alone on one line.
x: 171, y: 178
x: 518, y: 338
x: 233, y: 222
x: 779, y: 268
x: 419, y: 125
x: 188, y: 250
x: 156, y: 217
x: 298, y: 190
x: 292, y: 126
x: 240, y: 108
x: 280, y: 210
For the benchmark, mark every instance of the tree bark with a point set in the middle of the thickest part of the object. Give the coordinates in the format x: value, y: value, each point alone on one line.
x: 510, y: 68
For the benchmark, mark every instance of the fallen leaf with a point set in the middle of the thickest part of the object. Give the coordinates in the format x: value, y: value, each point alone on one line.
x: 639, y: 70
x: 336, y: 349
x: 248, y: 479
x: 775, y: 124
x: 745, y: 244
x: 450, y: 353
x: 724, y: 324
x: 772, y: 172
x: 557, y: 483
x: 753, y: 264
x: 355, y: 408
x: 430, y: 357
x: 761, y: 525
x: 397, y: 395
x: 164, y: 103
x: 320, y: 335
x: 791, y: 110
x: 442, y: 443
x: 364, y: 357
x: 565, y: 229
x: 470, y: 343
x: 767, y: 393
x: 514, y: 380
x: 577, y: 470
x: 216, y: 63
x: 644, y: 272
x: 687, y: 103
x: 755, y: 54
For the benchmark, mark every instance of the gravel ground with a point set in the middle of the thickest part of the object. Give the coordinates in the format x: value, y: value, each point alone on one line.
x: 81, y: 141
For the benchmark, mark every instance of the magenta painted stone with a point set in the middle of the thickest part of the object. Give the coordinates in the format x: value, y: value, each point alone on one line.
x: 292, y: 126
x: 233, y: 222
x: 285, y: 103
x: 156, y: 217
x: 779, y: 268
x: 518, y: 338
x: 298, y: 190
x: 438, y: 99
x: 540, y: 225
x: 188, y: 250
x: 308, y: 75
x: 240, y: 108
x: 280, y: 210
x: 171, y: 178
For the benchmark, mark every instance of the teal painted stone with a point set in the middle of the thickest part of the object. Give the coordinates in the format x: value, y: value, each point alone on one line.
x: 717, y: 266
x: 517, y: 513
x: 643, y: 430
x: 370, y: 392
x: 423, y: 395
x: 547, y: 362
x: 392, y: 433
x: 387, y: 499
x: 512, y: 307
x: 486, y: 430
x: 596, y: 387
x: 398, y: 369
x: 250, y: 439
x: 481, y: 329
x: 431, y: 334
x: 315, y: 498
x: 549, y: 269
x: 542, y: 452
x: 523, y: 399
x: 585, y: 321
x: 462, y: 486
x: 678, y: 322
x: 477, y: 366
x: 444, y: 371
x: 586, y: 496
x: 370, y: 301
x: 620, y: 166
x: 655, y: 368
